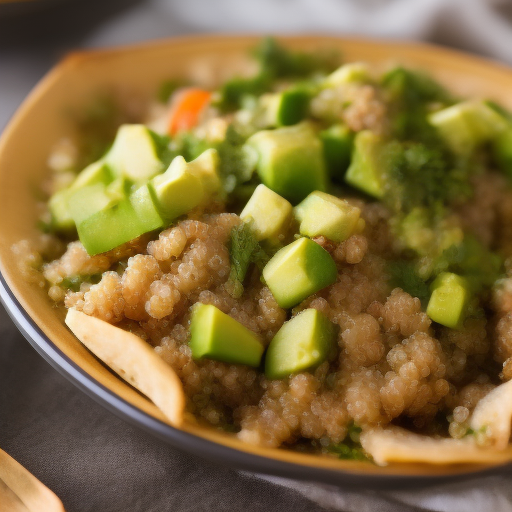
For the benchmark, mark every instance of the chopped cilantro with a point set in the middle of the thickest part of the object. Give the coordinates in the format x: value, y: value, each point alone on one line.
x: 411, y: 94
x: 73, y: 283
x: 236, y: 165
x: 243, y: 250
x: 350, y: 448
x: 418, y: 175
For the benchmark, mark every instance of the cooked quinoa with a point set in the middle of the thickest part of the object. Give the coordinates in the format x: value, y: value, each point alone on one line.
x: 390, y: 363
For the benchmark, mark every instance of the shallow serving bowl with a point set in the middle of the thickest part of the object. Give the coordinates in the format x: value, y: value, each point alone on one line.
x: 43, y: 119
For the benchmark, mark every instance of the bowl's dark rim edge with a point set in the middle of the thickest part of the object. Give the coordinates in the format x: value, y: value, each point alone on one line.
x: 196, y: 445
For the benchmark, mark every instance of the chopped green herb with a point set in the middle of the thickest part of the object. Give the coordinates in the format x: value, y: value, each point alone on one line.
x: 411, y: 94
x: 350, y: 448
x: 422, y: 176
x: 73, y: 283
x: 243, y: 250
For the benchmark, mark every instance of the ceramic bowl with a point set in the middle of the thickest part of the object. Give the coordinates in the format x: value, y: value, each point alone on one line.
x: 43, y: 119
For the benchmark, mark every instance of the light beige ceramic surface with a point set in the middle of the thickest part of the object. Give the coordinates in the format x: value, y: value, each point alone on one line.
x: 44, y: 118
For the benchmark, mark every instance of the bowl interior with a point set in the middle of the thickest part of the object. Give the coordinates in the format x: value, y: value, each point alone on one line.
x: 44, y: 118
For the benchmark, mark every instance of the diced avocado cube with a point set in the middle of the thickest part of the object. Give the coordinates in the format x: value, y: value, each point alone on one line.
x: 502, y: 149
x: 338, y: 141
x: 466, y: 125
x: 298, y: 270
x: 449, y: 300
x: 90, y: 199
x: 352, y: 72
x: 177, y: 191
x: 302, y: 343
x: 59, y: 210
x: 62, y: 220
x: 134, y: 154
x: 206, y: 167
x: 215, y: 335
x: 269, y: 212
x: 97, y: 172
x: 290, y: 160
x: 286, y: 108
x: 120, y: 223
x: 366, y: 169
x: 327, y: 215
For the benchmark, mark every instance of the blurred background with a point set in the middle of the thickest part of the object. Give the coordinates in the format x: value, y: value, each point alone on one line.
x: 34, y: 34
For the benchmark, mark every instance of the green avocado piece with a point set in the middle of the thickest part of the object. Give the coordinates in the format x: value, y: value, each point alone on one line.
x: 327, y: 215
x: 466, y: 125
x: 286, y: 108
x: 59, y: 203
x: 348, y: 73
x: 119, y: 223
x: 290, y: 160
x: 449, y: 300
x: 206, y: 167
x: 215, y: 335
x: 366, y: 170
x: 177, y: 191
x: 298, y: 270
x: 269, y: 213
x: 134, y: 154
x: 90, y: 199
x: 338, y: 141
x: 302, y: 343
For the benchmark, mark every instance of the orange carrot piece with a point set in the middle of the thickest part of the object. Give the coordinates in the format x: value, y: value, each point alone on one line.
x: 185, y: 109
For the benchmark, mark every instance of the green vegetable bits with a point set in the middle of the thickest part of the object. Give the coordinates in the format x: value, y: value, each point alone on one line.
x: 303, y: 342
x: 366, y: 169
x: 327, y: 215
x: 299, y: 270
x: 215, y: 335
x: 449, y: 300
x: 117, y: 224
x: 466, y: 125
x: 337, y: 142
x: 269, y: 213
x: 290, y: 160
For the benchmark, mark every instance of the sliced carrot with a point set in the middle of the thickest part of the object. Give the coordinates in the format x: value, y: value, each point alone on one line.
x: 185, y: 109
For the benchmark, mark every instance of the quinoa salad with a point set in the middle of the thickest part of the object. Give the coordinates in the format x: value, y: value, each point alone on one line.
x: 321, y: 252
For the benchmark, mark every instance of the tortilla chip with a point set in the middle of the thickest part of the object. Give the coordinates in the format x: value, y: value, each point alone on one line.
x: 20, y: 490
x: 494, y: 414
x: 133, y: 360
x: 395, y: 444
